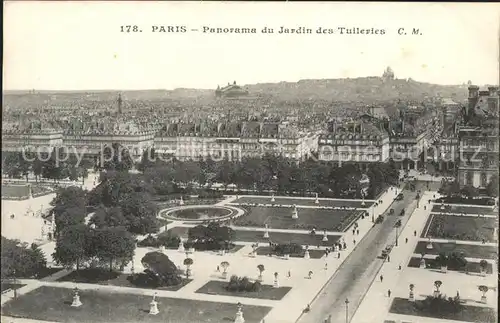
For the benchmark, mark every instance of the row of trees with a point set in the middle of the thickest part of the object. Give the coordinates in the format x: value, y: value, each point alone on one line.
x: 267, y: 173
x: 80, y: 244
x: 54, y: 166
x: 21, y: 260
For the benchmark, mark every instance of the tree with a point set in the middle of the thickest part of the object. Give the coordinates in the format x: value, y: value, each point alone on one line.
x: 188, y: 262
x: 484, y: 265
x: 469, y: 191
x: 108, y: 217
x: 113, y: 244
x: 484, y: 289
x: 72, y: 246
x: 213, y: 236
x: 261, y: 269
x: 21, y: 260
x: 159, y: 266
x: 442, y: 259
x: 116, y: 157
x: 224, y: 266
x: 140, y: 213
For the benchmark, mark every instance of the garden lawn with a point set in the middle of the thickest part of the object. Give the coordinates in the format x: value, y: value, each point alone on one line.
x: 6, y: 286
x: 53, y: 304
x: 306, y: 202
x: 464, y: 209
x: 281, y: 218
x: 22, y: 191
x: 467, y: 314
x: 469, y: 250
x: 105, y: 277
x: 472, y: 267
x: 276, y: 237
x: 14, y: 191
x: 216, y: 287
x: 453, y: 227
x: 313, y: 253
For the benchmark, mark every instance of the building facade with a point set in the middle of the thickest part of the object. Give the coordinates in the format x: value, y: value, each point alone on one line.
x: 478, y: 139
x: 234, y: 140
x: 354, y: 141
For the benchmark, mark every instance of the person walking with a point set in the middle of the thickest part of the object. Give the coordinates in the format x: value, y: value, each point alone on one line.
x: 357, y: 232
x: 218, y: 269
x: 415, y: 233
x: 406, y: 240
x: 381, y: 278
x: 389, y: 293
x: 388, y: 258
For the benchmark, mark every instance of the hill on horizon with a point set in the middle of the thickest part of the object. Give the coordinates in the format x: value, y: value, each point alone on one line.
x: 362, y: 89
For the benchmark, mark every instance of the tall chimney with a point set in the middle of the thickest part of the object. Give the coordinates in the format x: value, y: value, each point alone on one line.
x: 473, y: 97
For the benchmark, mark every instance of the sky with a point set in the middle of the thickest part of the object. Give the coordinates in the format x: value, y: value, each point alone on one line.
x: 79, y: 46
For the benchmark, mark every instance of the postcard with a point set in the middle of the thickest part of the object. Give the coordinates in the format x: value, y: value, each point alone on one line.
x: 258, y: 162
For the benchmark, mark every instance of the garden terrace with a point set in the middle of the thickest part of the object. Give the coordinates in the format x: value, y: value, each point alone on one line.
x: 281, y: 218
x: 459, y: 209
x: 466, y: 200
x: 313, y: 253
x: 442, y: 226
x: 21, y: 192
x: 105, y: 277
x: 276, y: 237
x: 53, y: 304
x: 467, y: 313
x: 304, y: 202
x: 217, y: 287
x: 469, y: 250
x: 472, y: 266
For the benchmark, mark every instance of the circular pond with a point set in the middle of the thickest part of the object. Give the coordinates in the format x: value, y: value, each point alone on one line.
x: 200, y: 213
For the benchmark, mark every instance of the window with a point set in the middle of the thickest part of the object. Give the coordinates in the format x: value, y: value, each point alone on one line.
x: 484, y: 180
x: 468, y: 178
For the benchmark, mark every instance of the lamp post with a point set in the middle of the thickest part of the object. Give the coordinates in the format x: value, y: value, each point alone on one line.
x: 396, y: 236
x: 346, y: 310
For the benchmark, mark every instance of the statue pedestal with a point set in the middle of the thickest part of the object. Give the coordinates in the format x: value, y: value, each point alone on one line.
x: 286, y: 256
x: 325, y: 238
x: 316, y: 201
x: 266, y: 234
x: 306, y: 255
x: 181, y: 247
x: 153, y: 308
x: 276, y: 283
x: 412, y: 297
x: 76, y: 301
x: 429, y: 246
x: 295, y: 215
x: 483, y: 299
x: 436, y: 293
x: 239, y: 317
x: 422, y: 264
x: 272, y: 199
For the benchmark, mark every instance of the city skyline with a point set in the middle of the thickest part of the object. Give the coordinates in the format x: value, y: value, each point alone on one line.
x: 74, y: 55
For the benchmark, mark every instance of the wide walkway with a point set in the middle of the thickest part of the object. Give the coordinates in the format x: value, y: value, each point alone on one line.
x: 359, y: 269
x: 376, y: 303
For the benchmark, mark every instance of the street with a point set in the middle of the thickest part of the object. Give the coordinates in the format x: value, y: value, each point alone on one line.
x: 355, y: 275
